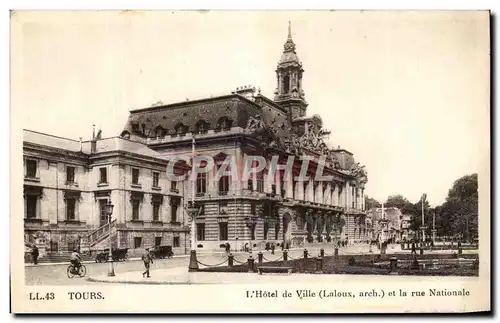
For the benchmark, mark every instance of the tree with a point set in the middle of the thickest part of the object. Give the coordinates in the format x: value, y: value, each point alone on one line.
x: 401, y: 203
x: 459, y: 214
x: 371, y: 203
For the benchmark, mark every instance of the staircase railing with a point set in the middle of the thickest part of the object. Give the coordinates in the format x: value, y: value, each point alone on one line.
x: 98, y: 234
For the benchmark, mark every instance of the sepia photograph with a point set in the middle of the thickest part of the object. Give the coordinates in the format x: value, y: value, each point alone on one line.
x: 308, y: 157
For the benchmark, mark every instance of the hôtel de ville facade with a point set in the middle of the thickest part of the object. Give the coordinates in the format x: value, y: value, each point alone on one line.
x: 68, y: 182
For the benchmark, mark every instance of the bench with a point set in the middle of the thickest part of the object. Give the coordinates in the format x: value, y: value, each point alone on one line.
x: 274, y: 269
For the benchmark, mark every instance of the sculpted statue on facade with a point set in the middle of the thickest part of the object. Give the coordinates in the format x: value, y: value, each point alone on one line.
x: 254, y: 124
x: 358, y: 170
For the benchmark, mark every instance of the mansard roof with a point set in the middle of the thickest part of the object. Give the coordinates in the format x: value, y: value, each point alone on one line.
x: 234, y: 108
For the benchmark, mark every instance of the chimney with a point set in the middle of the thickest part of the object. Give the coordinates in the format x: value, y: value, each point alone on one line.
x: 93, y: 143
x: 246, y: 91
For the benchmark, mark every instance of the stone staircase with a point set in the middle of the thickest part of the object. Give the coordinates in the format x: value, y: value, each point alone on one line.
x: 95, y: 240
x: 98, y: 239
x: 54, y: 257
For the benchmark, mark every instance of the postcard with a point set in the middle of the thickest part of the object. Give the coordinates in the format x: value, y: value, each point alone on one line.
x: 250, y: 161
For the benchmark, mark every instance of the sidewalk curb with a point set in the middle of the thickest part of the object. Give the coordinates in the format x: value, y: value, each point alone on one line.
x: 134, y: 282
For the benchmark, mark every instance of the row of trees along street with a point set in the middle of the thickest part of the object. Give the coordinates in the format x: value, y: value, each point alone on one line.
x: 458, y: 215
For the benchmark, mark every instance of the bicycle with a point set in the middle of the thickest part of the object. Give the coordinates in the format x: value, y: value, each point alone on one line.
x: 72, y: 272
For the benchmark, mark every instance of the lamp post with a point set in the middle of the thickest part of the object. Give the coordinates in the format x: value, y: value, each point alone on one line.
x: 251, y: 222
x: 193, y: 211
x: 109, y: 212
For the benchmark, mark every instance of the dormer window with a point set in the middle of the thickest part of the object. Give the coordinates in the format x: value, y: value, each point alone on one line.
x: 202, y: 126
x: 180, y: 129
x: 224, y: 124
x: 159, y: 132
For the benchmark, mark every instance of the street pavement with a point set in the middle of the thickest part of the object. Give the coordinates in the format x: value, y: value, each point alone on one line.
x: 55, y: 274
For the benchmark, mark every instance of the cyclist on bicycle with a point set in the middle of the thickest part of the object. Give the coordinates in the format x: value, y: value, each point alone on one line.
x: 76, y: 260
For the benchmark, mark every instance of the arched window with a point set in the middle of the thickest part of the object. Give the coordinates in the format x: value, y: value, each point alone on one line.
x: 286, y: 84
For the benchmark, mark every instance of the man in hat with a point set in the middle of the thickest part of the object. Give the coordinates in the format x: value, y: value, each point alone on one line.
x: 34, y: 254
x: 148, y: 259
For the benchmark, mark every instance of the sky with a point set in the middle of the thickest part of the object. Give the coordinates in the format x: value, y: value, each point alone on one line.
x: 406, y: 92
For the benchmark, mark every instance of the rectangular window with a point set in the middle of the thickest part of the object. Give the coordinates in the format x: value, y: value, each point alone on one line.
x: 156, y: 179
x: 104, y: 175
x: 294, y: 185
x: 31, y: 202
x: 31, y: 166
x: 273, y: 189
x: 70, y: 209
x: 253, y: 209
x: 306, y: 184
x: 282, y: 185
x: 222, y: 230
x: 201, y: 183
x: 353, y: 199
x: 157, y: 241
x: 173, y: 213
x: 224, y: 185
x: 135, y: 209
x: 70, y: 174
x: 173, y: 186
x: 260, y: 183
x: 177, y: 242
x: 250, y: 185
x: 156, y: 211
x: 102, y: 211
x: 137, y: 242
x: 135, y: 176
x: 200, y: 231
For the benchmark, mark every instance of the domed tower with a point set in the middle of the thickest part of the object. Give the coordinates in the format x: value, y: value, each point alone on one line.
x: 289, y: 93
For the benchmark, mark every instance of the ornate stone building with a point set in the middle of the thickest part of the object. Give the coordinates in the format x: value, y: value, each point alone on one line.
x: 387, y: 223
x: 67, y: 182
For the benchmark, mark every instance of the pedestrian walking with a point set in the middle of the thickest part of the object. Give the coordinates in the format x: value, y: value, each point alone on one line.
x: 272, y: 248
x: 34, y: 254
x: 413, y: 249
x: 147, y: 259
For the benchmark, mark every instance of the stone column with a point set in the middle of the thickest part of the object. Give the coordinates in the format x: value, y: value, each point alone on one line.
x: 310, y: 192
x: 328, y: 192
x: 319, y: 193
x: 289, y: 186
x: 346, y: 192
x: 236, y: 183
x: 211, y: 182
x: 362, y: 199
x: 300, y: 190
